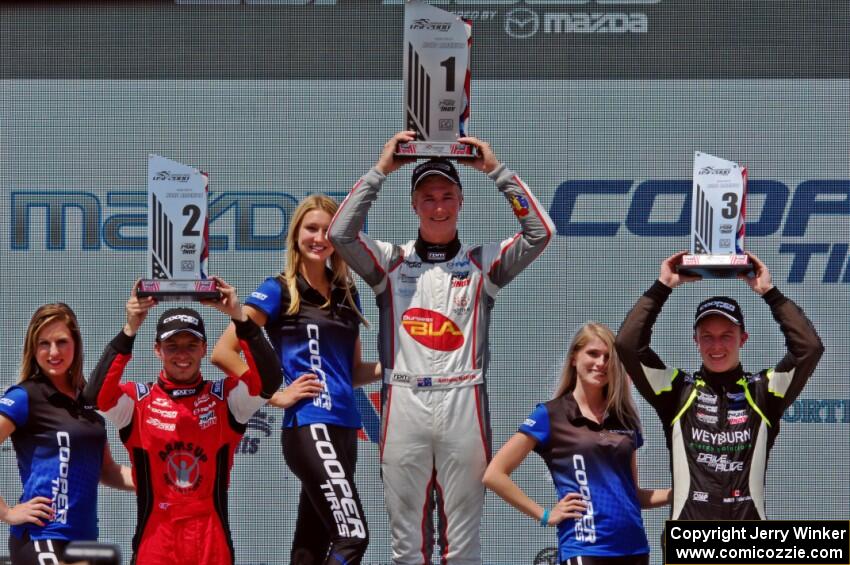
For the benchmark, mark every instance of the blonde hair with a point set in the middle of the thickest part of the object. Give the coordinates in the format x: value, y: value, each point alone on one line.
x: 619, y: 399
x: 340, y: 273
x: 44, y: 316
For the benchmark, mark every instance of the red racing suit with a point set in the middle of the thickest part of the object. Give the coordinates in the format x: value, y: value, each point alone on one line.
x: 181, y: 441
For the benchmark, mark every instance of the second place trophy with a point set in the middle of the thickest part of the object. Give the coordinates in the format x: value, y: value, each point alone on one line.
x: 178, y: 233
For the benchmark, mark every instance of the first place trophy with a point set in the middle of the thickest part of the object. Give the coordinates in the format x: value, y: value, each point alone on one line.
x: 436, y: 82
x: 178, y: 233
x: 718, y: 210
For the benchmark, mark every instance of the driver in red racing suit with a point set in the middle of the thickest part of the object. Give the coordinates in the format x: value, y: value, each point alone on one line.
x: 181, y: 432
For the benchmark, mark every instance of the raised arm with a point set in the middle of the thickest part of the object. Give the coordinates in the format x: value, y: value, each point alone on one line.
x: 104, y: 389
x: 536, y: 227
x: 648, y: 372
x: 369, y: 258
x: 263, y: 377
x: 227, y: 353
x: 804, y: 347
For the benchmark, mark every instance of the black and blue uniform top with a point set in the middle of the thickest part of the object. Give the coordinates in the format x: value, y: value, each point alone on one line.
x: 314, y: 340
x: 59, y: 443
x: 595, y: 461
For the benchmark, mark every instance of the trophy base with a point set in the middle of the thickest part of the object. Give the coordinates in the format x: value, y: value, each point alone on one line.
x: 444, y: 149
x: 169, y: 290
x: 715, y: 266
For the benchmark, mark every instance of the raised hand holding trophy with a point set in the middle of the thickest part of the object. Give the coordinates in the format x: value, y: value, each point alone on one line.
x: 436, y: 82
x: 178, y: 233
x: 718, y: 210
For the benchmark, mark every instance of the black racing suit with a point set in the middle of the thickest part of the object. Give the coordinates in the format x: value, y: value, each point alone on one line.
x: 719, y: 427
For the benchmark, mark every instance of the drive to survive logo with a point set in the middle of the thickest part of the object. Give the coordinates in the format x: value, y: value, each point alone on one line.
x: 720, y: 463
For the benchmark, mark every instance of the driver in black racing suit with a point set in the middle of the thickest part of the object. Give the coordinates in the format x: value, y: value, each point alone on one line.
x: 720, y: 421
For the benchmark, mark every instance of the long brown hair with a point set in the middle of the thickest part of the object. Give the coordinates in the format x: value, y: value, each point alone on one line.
x: 341, y: 275
x: 618, y: 397
x: 44, y: 316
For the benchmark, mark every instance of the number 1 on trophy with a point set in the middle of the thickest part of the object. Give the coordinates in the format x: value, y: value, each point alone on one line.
x: 436, y: 82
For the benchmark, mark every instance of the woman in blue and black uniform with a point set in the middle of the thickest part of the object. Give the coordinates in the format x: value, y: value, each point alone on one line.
x: 587, y: 435
x: 60, y: 443
x: 311, y: 313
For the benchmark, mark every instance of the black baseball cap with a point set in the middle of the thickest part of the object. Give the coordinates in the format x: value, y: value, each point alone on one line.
x: 438, y: 166
x: 178, y: 320
x: 720, y: 306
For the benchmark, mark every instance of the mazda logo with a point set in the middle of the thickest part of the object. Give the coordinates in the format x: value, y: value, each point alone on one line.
x: 521, y: 23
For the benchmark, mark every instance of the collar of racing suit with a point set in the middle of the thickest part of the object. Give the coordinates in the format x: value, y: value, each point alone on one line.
x: 180, y: 390
x: 724, y: 379
x: 435, y: 252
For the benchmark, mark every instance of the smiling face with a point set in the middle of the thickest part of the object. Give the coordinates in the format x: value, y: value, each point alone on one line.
x: 181, y: 356
x: 591, y: 364
x: 55, y: 350
x: 312, y: 237
x: 437, y: 202
x: 719, y: 341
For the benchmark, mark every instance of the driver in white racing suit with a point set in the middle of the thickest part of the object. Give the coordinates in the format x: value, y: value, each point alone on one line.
x: 435, y: 296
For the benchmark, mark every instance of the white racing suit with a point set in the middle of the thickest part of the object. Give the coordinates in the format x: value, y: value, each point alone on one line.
x: 433, y: 342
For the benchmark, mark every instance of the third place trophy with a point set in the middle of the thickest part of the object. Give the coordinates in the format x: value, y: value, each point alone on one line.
x: 718, y: 210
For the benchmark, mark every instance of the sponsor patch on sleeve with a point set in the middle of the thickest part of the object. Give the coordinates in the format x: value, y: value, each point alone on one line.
x: 519, y: 205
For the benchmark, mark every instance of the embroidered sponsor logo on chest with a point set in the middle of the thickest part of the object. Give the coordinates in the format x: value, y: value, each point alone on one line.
x: 161, y: 412
x: 461, y: 304
x: 706, y: 418
x: 432, y: 329
x: 183, y: 465
x: 737, y: 417
x: 461, y: 279
x: 207, y: 419
x: 706, y: 398
x: 160, y: 425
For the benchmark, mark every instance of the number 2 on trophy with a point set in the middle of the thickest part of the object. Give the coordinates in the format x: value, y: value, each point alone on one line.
x: 731, y: 209
x: 195, y: 213
x: 450, y: 73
